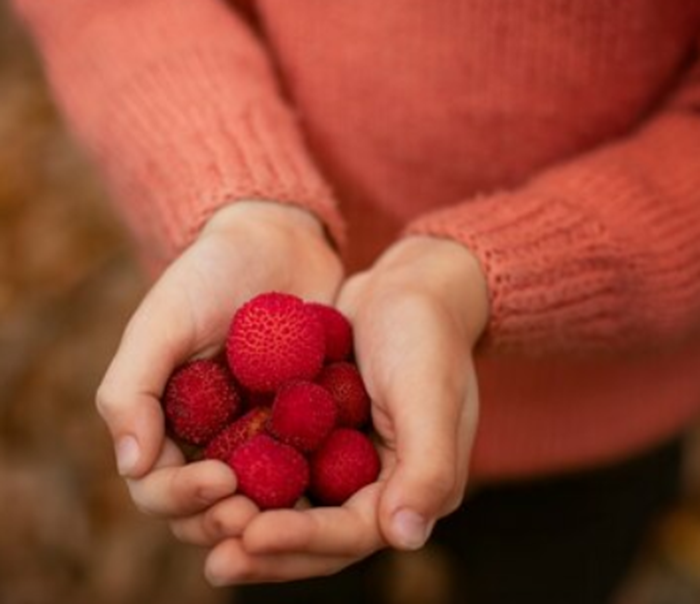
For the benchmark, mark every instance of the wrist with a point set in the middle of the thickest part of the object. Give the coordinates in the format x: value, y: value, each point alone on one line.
x: 450, y: 270
x: 263, y: 212
x: 284, y: 244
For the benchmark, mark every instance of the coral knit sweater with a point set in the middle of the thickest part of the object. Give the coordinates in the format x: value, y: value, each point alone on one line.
x: 558, y: 139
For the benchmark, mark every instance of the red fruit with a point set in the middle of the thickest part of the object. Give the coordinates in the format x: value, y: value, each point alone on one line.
x: 303, y: 415
x: 344, y: 382
x: 235, y: 434
x: 199, y: 400
x: 275, y: 338
x: 272, y: 474
x: 337, y: 329
x: 346, y: 462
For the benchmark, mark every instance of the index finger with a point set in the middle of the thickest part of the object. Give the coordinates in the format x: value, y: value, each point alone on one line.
x: 348, y: 530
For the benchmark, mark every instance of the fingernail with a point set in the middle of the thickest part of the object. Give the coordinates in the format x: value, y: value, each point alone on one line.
x: 215, y: 580
x: 411, y: 529
x: 127, y: 455
x: 216, y: 576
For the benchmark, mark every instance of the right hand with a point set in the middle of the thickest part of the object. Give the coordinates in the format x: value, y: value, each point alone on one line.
x: 247, y: 248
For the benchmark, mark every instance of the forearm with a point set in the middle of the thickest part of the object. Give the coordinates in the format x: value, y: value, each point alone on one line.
x: 600, y: 253
x: 180, y: 108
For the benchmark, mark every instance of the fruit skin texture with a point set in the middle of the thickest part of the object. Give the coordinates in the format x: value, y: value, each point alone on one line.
x: 272, y: 474
x: 275, y: 338
x: 337, y: 329
x: 344, y: 382
x: 199, y: 399
x: 346, y: 462
x: 303, y: 415
x: 235, y: 434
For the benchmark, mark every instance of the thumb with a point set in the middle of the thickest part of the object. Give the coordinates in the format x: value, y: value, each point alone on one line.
x: 135, y: 422
x: 429, y: 475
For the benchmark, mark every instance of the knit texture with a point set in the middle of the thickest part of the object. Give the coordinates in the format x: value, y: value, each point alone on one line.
x: 180, y: 108
x: 558, y: 139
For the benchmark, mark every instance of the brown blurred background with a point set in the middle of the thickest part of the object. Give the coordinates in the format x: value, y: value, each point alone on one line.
x: 68, y: 282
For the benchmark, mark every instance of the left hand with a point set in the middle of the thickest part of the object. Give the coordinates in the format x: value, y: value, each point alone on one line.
x: 417, y: 314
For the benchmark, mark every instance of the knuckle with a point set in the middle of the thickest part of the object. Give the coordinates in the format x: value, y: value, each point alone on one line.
x: 141, y: 493
x: 143, y: 508
x: 215, y: 524
x: 106, y: 401
x: 442, y: 483
x: 179, y: 531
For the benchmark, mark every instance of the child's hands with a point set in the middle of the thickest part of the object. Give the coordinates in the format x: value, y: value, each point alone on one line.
x: 417, y: 315
x: 247, y: 248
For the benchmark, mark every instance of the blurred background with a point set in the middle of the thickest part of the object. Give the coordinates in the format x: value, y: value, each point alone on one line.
x: 68, y: 282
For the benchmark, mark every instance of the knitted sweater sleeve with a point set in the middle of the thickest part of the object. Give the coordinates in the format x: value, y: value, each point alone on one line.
x: 179, y: 105
x: 600, y: 253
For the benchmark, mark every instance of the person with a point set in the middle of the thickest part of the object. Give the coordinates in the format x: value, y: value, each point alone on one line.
x: 508, y: 192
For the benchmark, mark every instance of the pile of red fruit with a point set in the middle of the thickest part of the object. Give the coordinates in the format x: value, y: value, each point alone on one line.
x: 286, y: 409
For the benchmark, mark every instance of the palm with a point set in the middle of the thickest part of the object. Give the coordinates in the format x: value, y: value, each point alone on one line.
x: 187, y: 314
x: 418, y: 366
x: 199, y: 293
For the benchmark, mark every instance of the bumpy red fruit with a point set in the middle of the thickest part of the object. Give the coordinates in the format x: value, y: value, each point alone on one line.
x: 199, y: 400
x: 234, y: 435
x: 303, y: 415
x: 345, y: 384
x: 346, y: 462
x: 275, y: 338
x: 338, y: 332
x: 272, y: 474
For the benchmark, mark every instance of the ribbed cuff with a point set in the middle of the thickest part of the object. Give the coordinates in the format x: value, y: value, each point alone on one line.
x: 552, y: 272
x: 176, y: 145
x: 179, y: 106
x: 597, y: 254
x: 178, y: 179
